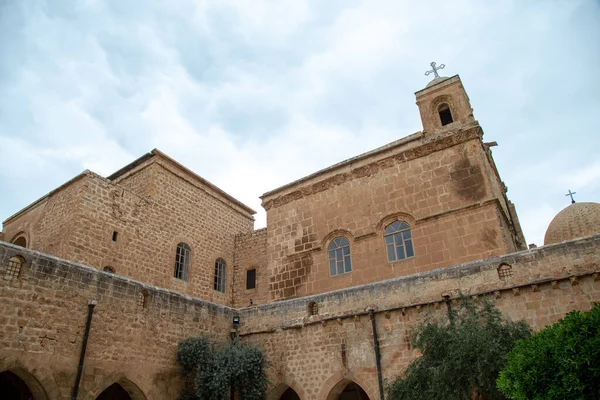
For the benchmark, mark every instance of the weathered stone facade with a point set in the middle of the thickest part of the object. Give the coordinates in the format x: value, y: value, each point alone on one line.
x: 152, y: 205
x: 314, y: 322
x: 43, y: 317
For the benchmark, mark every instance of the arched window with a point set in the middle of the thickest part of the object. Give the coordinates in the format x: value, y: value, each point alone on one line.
x: 20, y: 241
x: 108, y: 269
x: 220, y: 271
x: 505, y: 272
x: 445, y: 114
x: 398, y: 241
x: 339, y: 256
x: 13, y: 270
x: 143, y: 299
x: 182, y: 261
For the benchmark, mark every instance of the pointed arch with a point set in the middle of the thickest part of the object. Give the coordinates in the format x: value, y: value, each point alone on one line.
x: 21, y: 382
x: 284, y: 391
x: 366, y: 381
x: 345, y: 387
x: 278, y: 391
x: 122, y: 387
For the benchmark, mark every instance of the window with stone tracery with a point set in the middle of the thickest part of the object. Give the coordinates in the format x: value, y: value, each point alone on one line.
x: 505, y: 272
x: 340, y: 261
x: 13, y: 269
x: 398, y: 241
x: 143, y: 299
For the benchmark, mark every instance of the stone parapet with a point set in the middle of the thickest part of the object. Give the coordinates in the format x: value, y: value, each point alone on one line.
x: 564, y: 262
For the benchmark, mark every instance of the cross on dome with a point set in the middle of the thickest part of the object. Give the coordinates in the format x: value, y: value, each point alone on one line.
x: 571, y: 194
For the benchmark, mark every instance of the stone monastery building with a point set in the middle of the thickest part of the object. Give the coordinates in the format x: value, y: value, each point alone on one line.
x: 353, y: 256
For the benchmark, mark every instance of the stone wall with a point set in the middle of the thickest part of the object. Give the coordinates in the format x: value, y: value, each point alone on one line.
x: 445, y: 189
x: 135, y: 326
x: 251, y: 253
x: 47, y: 224
x: 150, y: 209
x: 316, y: 354
x: 43, y: 316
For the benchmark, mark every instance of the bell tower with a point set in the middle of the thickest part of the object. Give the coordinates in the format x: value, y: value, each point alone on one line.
x: 443, y: 103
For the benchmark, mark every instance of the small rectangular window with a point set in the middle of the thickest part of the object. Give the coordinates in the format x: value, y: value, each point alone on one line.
x: 251, y: 279
x: 114, y: 237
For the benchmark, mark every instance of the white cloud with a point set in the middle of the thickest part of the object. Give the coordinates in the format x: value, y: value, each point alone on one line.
x: 255, y: 94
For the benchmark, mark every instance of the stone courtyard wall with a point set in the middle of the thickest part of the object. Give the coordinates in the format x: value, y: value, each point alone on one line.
x: 44, y: 310
x: 315, y: 354
x: 43, y: 314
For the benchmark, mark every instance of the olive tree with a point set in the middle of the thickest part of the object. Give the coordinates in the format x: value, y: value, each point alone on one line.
x: 462, y: 355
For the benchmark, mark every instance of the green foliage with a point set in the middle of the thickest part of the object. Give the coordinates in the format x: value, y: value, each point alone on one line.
x: 461, y: 355
x: 210, y: 369
x: 193, y: 353
x: 561, y: 361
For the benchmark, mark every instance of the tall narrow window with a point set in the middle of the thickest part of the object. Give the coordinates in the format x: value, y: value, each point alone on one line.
x: 398, y: 241
x: 182, y: 261
x: 220, y: 270
x: 339, y: 256
x: 445, y: 114
x: 251, y: 279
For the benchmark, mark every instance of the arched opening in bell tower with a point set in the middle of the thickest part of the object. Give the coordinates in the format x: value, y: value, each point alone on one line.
x: 445, y: 114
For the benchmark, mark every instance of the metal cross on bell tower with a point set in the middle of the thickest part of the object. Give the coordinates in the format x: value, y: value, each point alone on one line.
x: 571, y: 194
x: 435, y: 69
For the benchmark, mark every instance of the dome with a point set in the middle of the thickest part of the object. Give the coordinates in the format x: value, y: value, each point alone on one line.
x: 437, y: 80
x: 577, y: 220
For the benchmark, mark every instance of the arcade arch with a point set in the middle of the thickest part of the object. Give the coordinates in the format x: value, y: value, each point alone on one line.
x: 123, y: 389
x: 285, y: 392
x: 347, y: 390
x: 18, y: 384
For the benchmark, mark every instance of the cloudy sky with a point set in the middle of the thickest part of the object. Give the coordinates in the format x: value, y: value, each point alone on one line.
x: 252, y: 94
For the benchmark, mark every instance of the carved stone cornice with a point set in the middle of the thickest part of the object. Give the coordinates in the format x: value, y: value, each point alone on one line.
x: 304, y: 189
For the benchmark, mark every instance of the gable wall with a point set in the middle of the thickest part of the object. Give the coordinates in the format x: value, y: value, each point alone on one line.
x: 443, y: 189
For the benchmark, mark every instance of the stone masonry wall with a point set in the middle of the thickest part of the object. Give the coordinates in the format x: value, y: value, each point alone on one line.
x: 251, y: 252
x: 442, y: 189
x: 160, y: 210
x: 47, y: 224
x: 44, y: 311
x: 317, y: 355
x: 184, y: 212
x: 43, y: 316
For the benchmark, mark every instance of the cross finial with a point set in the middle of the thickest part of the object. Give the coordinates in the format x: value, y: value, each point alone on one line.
x: 571, y: 194
x: 435, y: 69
